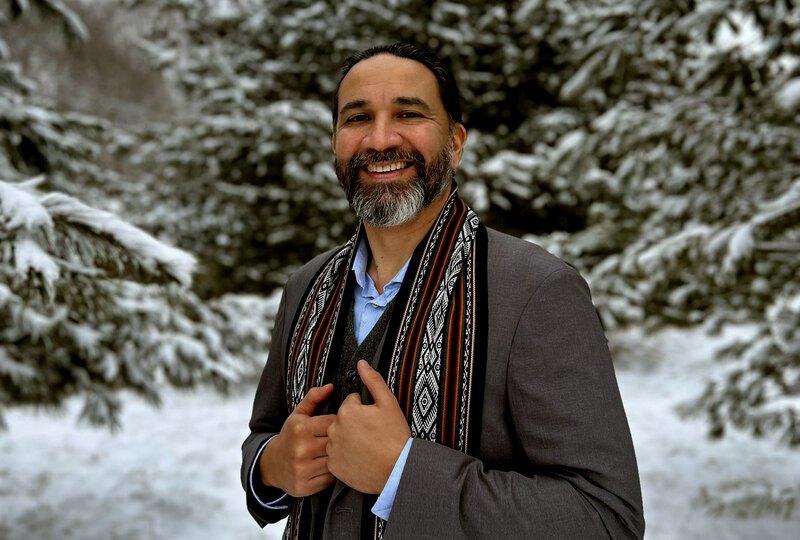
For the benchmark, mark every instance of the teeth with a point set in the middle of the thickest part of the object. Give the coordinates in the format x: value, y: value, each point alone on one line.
x: 387, y: 168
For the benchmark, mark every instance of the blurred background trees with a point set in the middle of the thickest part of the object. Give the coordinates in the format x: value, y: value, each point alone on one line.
x: 652, y: 144
x: 89, y: 303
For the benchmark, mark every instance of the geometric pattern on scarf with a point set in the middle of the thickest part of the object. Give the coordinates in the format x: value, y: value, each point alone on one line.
x: 434, y: 354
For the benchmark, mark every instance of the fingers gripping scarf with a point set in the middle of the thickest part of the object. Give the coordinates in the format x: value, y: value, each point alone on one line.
x: 435, y: 349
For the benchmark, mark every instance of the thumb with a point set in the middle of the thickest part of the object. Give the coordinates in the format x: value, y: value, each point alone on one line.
x: 375, y: 383
x: 314, y: 397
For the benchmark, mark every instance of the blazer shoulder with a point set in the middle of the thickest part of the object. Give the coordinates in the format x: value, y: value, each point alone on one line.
x: 518, y: 263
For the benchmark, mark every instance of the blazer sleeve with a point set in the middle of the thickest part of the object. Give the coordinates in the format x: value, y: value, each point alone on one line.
x: 574, y: 473
x: 269, y: 413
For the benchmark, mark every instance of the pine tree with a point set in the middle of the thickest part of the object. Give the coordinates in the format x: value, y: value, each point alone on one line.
x: 90, y: 304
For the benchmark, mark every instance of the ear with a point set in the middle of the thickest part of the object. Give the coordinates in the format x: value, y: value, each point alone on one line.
x: 333, y: 142
x: 458, y: 138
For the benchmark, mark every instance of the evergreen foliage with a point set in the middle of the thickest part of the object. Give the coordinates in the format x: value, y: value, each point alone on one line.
x: 653, y: 144
x: 90, y: 304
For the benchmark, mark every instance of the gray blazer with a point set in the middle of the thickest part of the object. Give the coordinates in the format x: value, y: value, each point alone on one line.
x: 556, y: 457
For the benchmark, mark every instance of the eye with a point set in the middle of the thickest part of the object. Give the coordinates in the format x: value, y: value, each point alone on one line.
x: 357, y: 118
x: 410, y: 114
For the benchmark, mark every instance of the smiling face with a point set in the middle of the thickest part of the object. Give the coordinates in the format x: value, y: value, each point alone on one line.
x: 395, y: 148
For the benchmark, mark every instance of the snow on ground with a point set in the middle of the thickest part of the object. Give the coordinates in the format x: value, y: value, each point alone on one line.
x: 676, y: 460
x: 173, y: 473
x: 170, y: 473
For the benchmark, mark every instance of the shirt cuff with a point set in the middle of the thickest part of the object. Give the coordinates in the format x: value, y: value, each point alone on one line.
x: 383, y: 506
x: 275, y: 504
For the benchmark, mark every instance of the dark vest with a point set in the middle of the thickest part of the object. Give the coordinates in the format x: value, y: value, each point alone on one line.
x: 346, y: 381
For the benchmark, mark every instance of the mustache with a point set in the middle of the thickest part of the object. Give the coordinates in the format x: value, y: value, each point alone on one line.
x: 363, y: 159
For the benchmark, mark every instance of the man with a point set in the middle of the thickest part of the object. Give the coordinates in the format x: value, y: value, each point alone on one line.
x: 487, y: 404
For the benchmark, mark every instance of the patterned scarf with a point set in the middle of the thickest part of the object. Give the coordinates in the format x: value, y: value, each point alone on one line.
x: 434, y: 354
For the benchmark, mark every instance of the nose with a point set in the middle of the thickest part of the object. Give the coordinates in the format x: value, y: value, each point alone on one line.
x: 382, y: 135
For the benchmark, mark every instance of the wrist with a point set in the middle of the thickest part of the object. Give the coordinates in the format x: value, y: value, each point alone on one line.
x: 265, y: 465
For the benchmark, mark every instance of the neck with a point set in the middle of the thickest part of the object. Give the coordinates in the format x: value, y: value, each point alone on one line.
x: 392, y: 246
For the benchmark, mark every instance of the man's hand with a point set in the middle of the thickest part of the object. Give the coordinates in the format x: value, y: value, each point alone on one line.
x: 364, y: 441
x: 295, y: 461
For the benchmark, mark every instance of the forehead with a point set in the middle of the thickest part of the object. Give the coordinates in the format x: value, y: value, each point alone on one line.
x: 385, y: 77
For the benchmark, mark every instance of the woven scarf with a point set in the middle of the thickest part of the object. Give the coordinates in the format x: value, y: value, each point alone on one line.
x: 434, y: 353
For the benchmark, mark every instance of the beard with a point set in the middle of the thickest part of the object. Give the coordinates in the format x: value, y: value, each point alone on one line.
x: 388, y: 204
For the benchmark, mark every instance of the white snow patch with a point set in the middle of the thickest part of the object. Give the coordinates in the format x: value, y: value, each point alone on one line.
x: 148, y: 251
x: 651, y: 258
x: 85, y: 337
x: 746, y: 37
x: 21, y: 208
x: 173, y: 472
x: 789, y: 96
x: 225, y: 10
x: 15, y: 370
x: 740, y: 247
x: 678, y: 464
x: 29, y: 256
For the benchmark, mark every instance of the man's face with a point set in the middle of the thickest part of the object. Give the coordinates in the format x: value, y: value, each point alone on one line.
x: 395, y: 150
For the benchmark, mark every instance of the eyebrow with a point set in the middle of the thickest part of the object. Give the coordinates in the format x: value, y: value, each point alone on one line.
x: 400, y: 100
x: 412, y: 100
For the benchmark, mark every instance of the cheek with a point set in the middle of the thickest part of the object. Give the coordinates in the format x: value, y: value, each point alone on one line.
x: 345, y: 146
x: 340, y: 148
x: 434, y: 147
x: 341, y: 155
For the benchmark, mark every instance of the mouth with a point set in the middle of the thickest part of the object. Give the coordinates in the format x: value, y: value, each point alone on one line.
x: 387, y: 167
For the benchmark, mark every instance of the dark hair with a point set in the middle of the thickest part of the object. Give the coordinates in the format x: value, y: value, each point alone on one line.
x: 448, y: 91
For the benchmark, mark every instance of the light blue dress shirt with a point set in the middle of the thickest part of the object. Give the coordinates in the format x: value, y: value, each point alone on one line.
x: 368, y: 303
x: 368, y: 306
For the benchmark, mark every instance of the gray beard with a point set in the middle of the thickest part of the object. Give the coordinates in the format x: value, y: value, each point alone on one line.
x: 392, y: 204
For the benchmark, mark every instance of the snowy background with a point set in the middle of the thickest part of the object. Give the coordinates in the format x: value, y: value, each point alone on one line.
x: 174, y: 472
x: 653, y: 145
